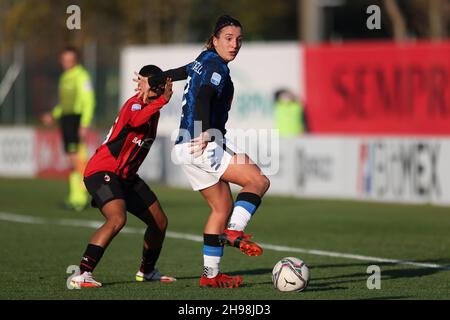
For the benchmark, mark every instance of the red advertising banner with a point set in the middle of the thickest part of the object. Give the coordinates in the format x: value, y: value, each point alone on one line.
x: 378, y: 88
x: 49, y: 155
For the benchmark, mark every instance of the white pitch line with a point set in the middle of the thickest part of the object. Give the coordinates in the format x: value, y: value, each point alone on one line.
x: 185, y: 236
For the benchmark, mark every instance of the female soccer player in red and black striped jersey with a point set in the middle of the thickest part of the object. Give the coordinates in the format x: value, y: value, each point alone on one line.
x: 111, y: 179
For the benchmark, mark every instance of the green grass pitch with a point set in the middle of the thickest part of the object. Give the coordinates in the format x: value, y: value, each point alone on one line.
x: 35, y: 254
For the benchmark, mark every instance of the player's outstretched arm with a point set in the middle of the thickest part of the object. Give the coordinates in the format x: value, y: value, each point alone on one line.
x: 176, y: 74
x: 145, y: 83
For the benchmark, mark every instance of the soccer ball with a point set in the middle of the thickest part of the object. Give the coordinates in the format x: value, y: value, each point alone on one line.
x: 290, y: 274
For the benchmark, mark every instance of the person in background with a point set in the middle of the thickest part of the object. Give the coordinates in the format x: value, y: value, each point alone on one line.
x: 74, y: 111
x: 289, y: 114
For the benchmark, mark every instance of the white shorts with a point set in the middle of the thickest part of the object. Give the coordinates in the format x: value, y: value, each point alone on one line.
x: 205, y: 170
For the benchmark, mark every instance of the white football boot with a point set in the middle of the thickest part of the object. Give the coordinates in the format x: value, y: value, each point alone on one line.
x: 84, y: 280
x: 155, y: 275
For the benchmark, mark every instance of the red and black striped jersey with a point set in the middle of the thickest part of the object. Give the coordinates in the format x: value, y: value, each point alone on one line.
x: 129, y: 140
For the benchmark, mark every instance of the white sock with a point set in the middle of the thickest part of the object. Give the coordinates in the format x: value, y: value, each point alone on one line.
x: 239, y: 219
x: 211, y: 266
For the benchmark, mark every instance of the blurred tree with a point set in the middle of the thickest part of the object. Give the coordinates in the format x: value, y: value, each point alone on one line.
x: 261, y: 19
x: 155, y: 21
x: 347, y: 21
x: 141, y: 21
x: 397, y: 20
x: 428, y: 19
x: 400, y: 19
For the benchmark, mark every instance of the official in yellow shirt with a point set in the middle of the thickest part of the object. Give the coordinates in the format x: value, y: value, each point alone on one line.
x: 74, y: 111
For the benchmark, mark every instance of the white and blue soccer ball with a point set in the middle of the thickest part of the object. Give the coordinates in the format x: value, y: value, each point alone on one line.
x: 290, y: 274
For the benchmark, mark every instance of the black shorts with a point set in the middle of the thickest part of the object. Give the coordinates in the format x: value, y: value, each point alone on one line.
x: 107, y: 186
x: 69, y: 130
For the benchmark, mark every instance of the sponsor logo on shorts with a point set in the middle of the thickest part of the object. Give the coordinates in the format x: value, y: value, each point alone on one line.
x: 107, y: 178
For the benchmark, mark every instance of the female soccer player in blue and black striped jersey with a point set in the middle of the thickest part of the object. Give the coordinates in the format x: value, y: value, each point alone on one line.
x: 211, y: 162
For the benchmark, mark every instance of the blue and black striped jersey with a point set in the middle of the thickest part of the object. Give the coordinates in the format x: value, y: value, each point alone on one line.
x: 209, y: 71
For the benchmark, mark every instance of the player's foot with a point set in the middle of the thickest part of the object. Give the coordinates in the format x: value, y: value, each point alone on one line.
x: 84, y: 280
x: 155, y: 275
x: 241, y: 240
x: 221, y: 281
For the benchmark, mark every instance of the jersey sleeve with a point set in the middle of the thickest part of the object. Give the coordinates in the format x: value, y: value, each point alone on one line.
x: 141, y: 114
x: 213, y: 75
x: 176, y: 74
x: 85, y: 99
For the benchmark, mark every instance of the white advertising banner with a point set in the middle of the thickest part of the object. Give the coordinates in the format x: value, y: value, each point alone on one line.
x: 386, y: 169
x: 441, y: 180
x: 258, y: 71
x: 323, y: 167
x: 17, y: 152
x: 282, y: 182
x: 404, y: 169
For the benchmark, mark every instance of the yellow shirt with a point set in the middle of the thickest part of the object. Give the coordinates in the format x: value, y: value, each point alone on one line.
x: 289, y: 118
x: 76, y: 95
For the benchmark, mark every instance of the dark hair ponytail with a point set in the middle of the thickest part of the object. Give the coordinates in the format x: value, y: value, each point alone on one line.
x: 210, y: 44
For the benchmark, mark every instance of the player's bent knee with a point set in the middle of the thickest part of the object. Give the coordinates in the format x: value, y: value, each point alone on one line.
x: 262, y: 184
x: 266, y: 184
x: 163, y: 224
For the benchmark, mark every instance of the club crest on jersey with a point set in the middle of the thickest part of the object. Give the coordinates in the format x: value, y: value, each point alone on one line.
x: 136, y: 107
x: 215, y: 78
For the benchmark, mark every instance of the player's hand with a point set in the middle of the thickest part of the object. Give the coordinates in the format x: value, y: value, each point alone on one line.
x: 142, y: 84
x: 168, y: 89
x: 47, y: 119
x: 146, y: 96
x: 198, y: 145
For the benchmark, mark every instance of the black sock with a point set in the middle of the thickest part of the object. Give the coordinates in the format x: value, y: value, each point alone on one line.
x: 149, y: 258
x: 91, y: 257
x: 249, y: 197
x: 212, y: 240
